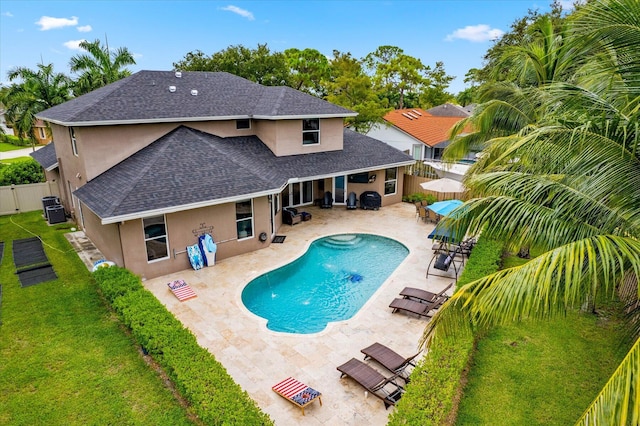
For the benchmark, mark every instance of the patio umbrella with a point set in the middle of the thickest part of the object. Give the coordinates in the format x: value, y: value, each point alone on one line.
x: 443, y: 185
x: 444, y: 234
x: 443, y: 208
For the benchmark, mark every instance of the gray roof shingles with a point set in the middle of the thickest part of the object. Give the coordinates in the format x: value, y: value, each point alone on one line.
x: 45, y: 156
x: 145, y: 96
x: 187, y: 166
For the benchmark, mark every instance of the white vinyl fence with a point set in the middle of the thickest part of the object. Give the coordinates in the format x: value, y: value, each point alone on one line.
x: 25, y: 198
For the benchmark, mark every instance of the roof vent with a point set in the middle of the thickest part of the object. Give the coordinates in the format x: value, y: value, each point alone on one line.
x: 416, y: 112
x: 172, y: 89
x: 194, y: 92
x: 178, y: 74
x: 404, y: 114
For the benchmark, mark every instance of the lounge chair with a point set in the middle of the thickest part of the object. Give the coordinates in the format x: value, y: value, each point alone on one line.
x: 418, y: 308
x: 290, y: 216
x: 373, y: 382
x: 389, y: 359
x: 297, y: 393
x: 424, y: 295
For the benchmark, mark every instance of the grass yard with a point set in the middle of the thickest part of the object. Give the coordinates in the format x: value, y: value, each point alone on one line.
x: 65, y: 358
x: 542, y: 373
x: 4, y: 147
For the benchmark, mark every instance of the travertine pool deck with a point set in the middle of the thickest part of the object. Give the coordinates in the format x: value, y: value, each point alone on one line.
x: 258, y: 358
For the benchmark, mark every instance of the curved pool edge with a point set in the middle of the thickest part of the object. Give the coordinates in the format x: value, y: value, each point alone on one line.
x: 331, y: 325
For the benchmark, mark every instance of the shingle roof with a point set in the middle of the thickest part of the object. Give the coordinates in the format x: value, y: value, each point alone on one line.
x: 423, y: 126
x: 46, y: 156
x: 448, y: 110
x: 146, y: 97
x: 188, y: 168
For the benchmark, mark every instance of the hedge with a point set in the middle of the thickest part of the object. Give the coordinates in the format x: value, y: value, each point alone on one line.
x: 437, y: 378
x: 21, y: 172
x: 201, y: 380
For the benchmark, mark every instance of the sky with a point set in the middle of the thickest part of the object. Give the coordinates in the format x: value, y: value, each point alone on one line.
x: 161, y: 32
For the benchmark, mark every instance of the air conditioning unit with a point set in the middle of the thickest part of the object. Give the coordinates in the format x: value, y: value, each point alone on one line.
x: 49, y: 201
x: 55, y: 214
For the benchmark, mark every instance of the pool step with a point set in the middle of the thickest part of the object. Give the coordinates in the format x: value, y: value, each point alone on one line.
x: 343, y: 240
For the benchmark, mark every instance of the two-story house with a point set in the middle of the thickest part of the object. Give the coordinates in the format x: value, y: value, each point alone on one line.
x: 149, y: 163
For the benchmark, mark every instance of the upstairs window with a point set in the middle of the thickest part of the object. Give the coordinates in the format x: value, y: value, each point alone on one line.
x: 311, y: 131
x: 243, y: 124
x: 74, y: 144
x: 390, y: 181
x: 155, y: 238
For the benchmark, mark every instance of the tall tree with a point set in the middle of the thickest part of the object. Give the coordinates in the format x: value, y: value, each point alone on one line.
x: 569, y: 186
x: 99, y: 66
x: 309, y: 68
x: 33, y: 91
x: 259, y: 65
x: 350, y: 87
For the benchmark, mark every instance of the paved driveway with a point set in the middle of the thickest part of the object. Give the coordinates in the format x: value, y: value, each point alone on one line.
x: 258, y: 358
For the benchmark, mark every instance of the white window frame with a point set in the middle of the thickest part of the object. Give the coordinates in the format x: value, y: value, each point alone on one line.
x: 392, y: 180
x: 250, y: 219
x: 42, y: 133
x: 74, y: 142
x: 248, y: 120
x: 309, y: 131
x: 156, y: 237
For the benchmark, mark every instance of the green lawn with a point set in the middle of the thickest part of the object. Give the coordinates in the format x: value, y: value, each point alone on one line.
x: 4, y: 147
x: 65, y: 358
x: 542, y: 373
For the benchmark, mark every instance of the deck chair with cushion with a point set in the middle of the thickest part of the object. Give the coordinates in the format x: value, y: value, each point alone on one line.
x: 372, y: 381
x: 389, y: 359
x: 422, y: 309
x: 424, y: 295
x: 290, y: 216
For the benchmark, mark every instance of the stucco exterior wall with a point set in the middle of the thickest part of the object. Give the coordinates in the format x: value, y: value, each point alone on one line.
x: 284, y: 137
x: 105, y: 237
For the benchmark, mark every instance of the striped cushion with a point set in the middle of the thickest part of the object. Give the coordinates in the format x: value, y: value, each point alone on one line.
x: 181, y: 290
x: 289, y: 387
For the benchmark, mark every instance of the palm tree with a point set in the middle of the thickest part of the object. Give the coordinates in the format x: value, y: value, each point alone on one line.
x: 568, y: 184
x: 37, y: 90
x: 99, y: 66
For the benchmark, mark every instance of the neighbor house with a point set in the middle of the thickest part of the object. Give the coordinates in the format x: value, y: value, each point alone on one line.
x: 151, y: 162
x: 423, y: 134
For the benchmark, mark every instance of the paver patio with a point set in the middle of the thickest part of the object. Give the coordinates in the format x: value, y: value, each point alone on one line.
x: 258, y: 358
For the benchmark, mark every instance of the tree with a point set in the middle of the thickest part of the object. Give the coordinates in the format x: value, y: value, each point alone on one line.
x: 36, y: 91
x: 349, y: 86
x: 568, y: 185
x: 308, y: 68
x: 258, y: 65
x: 435, y: 93
x: 99, y: 66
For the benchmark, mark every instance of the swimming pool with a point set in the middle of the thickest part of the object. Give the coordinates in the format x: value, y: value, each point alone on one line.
x: 330, y: 282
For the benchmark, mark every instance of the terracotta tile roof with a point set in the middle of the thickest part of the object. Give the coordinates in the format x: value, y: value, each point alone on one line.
x: 423, y: 126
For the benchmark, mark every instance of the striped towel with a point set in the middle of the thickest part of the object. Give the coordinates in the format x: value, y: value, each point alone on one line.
x: 296, y: 391
x: 181, y: 290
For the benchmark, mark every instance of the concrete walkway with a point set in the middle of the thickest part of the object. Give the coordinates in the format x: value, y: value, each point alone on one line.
x: 18, y: 153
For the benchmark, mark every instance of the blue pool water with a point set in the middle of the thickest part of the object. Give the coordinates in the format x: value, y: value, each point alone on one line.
x: 330, y: 282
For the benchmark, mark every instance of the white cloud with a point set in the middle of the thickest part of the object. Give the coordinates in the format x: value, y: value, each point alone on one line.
x: 475, y: 33
x: 50, y: 23
x: 9, y: 14
x: 242, y: 12
x: 85, y: 28
x: 73, y: 44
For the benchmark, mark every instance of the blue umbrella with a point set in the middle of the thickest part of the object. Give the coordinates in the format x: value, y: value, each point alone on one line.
x: 443, y: 208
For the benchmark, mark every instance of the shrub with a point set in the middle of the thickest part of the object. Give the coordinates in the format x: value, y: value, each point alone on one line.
x: 21, y: 172
x: 14, y: 140
x: 436, y: 380
x: 199, y: 378
x: 418, y: 197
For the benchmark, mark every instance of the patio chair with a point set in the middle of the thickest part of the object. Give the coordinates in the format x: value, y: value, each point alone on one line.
x: 389, y: 359
x: 414, y: 307
x: 297, y: 393
x: 372, y: 381
x: 352, y: 200
x: 422, y: 214
x: 290, y: 216
x: 327, y: 200
x: 424, y: 296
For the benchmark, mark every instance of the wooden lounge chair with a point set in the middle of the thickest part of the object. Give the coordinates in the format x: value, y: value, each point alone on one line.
x: 297, y: 393
x: 373, y: 382
x: 424, y: 295
x: 389, y: 359
x: 418, y: 308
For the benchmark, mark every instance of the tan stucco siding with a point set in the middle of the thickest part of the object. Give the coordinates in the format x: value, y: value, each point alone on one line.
x: 105, y: 237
